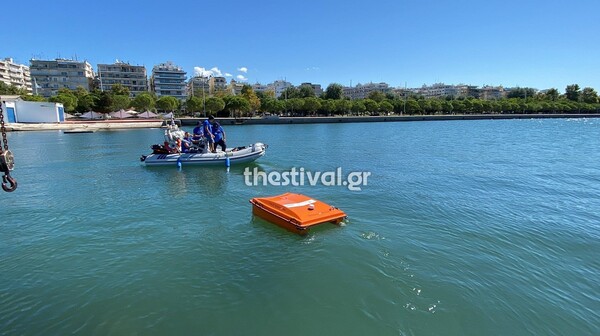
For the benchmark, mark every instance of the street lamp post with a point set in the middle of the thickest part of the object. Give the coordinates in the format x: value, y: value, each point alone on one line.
x: 203, y: 99
x: 405, y: 96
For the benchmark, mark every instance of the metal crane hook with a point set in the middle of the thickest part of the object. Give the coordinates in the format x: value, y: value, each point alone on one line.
x: 8, y: 179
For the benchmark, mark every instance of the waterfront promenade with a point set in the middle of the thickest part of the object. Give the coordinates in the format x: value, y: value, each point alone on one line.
x: 87, y: 125
x: 127, y: 124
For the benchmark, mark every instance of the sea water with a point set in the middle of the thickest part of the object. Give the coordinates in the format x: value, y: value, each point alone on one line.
x: 464, y: 228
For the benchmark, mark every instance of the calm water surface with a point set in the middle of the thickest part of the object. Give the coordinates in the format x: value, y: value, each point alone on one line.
x: 464, y: 228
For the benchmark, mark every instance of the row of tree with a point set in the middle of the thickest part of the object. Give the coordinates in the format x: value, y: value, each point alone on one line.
x: 414, y: 105
x: 302, y: 101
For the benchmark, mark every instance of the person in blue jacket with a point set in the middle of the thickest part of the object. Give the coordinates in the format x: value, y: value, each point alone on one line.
x: 197, y: 132
x: 220, y: 137
x: 208, y: 135
x: 186, y: 143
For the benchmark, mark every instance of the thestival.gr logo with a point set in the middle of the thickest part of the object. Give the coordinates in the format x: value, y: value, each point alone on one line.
x: 301, y: 177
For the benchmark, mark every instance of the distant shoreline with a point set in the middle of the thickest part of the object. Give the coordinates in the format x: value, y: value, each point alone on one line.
x: 130, y: 124
x: 393, y: 118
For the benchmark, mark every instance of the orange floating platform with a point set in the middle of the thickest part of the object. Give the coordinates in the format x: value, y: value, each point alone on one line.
x: 295, y: 212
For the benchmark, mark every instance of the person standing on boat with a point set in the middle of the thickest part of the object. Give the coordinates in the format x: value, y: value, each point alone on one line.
x: 208, y: 135
x: 220, y: 137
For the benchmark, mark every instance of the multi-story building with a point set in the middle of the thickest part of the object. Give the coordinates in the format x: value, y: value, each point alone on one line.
x: 279, y: 86
x: 217, y: 84
x: 437, y: 90
x: 257, y: 87
x: 441, y: 90
x: 316, y: 88
x: 361, y: 91
x: 236, y: 87
x: 492, y: 92
x: 15, y: 74
x: 169, y: 79
x: 50, y: 75
x: 197, y: 86
x: 130, y: 76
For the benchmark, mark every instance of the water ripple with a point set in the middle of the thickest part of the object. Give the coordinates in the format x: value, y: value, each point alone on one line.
x: 466, y: 228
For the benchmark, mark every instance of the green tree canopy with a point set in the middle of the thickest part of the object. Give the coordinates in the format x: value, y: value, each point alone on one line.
x: 328, y: 106
x: 37, y: 98
x: 236, y: 105
x: 306, y: 90
x: 358, y: 107
x: 521, y: 93
x: 143, y: 102
x: 272, y: 105
x: 194, y: 104
x: 290, y: 93
x: 343, y: 106
x: 120, y: 102
x: 552, y: 94
x: 86, y: 102
x: 425, y: 105
x: 412, y: 106
x: 104, y: 101
x: 167, y: 103
x: 6, y: 89
x: 371, y: 105
x: 334, y: 91
x: 589, y: 95
x: 572, y: 92
x: 377, y: 96
x: 386, y: 107
x: 214, y: 105
x: 119, y: 90
x: 251, y: 97
x: 447, y: 106
x: 435, y: 105
x: 312, y: 104
x: 68, y: 100
x: 294, y: 104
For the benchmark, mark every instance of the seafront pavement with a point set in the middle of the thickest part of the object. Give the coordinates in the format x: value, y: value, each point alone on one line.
x: 92, y: 125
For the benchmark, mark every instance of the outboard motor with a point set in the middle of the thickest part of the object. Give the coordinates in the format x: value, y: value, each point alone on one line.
x: 257, y: 147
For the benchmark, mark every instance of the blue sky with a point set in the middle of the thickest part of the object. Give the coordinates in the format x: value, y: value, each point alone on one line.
x: 539, y: 44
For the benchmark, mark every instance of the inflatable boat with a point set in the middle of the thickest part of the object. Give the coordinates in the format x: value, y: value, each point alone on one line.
x: 197, y: 154
x: 231, y: 156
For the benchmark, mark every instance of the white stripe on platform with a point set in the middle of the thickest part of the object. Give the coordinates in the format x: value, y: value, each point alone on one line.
x: 299, y: 204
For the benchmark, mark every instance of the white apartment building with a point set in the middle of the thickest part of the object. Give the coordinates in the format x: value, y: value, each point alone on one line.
x: 15, y: 74
x: 361, y: 91
x: 169, y: 79
x: 130, y: 76
x: 278, y: 87
x: 50, y: 75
